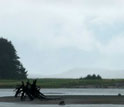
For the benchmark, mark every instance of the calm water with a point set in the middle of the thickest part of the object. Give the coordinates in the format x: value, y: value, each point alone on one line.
x: 64, y: 91
x: 78, y: 91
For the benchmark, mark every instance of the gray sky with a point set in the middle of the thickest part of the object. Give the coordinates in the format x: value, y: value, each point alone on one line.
x: 54, y: 36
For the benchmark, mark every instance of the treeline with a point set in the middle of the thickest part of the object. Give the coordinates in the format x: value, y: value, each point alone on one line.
x: 92, y: 77
x: 10, y: 65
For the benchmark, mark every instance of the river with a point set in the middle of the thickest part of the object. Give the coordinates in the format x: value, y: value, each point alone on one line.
x: 64, y: 91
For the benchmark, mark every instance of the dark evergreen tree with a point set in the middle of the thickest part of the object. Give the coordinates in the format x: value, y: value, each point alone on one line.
x: 88, y: 77
x: 10, y: 66
x: 93, y: 77
x: 99, y: 77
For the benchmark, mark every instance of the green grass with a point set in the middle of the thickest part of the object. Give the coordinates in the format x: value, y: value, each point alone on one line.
x: 64, y: 83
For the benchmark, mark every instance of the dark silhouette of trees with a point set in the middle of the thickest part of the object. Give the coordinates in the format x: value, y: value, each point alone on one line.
x: 93, y: 77
x: 10, y: 66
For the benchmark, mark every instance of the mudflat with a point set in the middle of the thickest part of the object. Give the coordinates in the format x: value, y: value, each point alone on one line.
x: 70, y: 99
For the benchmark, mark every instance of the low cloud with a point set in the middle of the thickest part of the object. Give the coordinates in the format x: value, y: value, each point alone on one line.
x: 59, y: 24
x: 114, y: 46
x: 37, y: 26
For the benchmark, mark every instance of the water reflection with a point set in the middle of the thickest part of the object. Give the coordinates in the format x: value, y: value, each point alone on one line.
x: 80, y: 91
x: 66, y: 91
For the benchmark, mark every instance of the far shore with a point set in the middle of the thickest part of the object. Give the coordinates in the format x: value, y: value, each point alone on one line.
x: 67, y: 83
x: 70, y: 99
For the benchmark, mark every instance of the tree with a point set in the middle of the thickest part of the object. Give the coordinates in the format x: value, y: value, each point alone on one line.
x: 99, y: 77
x: 10, y: 66
x: 93, y: 77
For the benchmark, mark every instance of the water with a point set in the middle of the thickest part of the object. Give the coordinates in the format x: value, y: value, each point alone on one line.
x: 64, y: 91
x: 79, y: 91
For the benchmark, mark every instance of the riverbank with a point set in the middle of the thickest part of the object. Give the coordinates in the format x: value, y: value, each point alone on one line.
x: 70, y: 99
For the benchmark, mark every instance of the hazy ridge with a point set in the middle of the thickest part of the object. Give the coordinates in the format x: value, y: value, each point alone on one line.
x: 80, y: 72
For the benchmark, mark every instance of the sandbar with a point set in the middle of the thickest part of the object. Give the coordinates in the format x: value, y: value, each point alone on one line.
x: 70, y: 99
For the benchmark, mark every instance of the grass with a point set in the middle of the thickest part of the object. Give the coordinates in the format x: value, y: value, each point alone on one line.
x: 65, y: 83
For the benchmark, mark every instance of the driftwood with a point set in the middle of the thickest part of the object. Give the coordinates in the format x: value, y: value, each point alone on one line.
x: 30, y: 90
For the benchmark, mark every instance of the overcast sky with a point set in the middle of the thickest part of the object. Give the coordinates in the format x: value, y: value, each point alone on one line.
x: 54, y: 36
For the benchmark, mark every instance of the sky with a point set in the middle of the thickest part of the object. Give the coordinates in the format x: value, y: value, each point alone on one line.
x: 54, y: 36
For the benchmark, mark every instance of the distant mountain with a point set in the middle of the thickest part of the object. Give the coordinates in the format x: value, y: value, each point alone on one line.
x: 80, y: 72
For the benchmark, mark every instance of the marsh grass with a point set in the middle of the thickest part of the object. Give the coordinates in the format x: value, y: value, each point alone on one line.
x: 65, y: 83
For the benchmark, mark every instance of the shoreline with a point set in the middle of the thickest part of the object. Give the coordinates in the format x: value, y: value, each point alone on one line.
x: 67, y: 83
x: 70, y: 99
